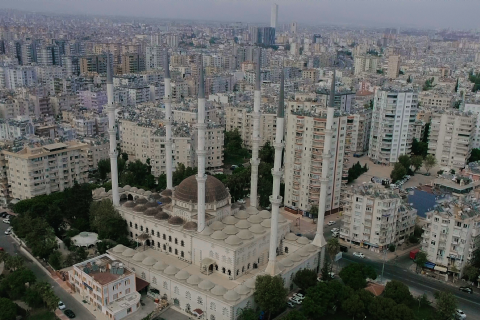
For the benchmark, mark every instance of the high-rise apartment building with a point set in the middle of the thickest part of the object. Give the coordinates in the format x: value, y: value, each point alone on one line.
x: 173, y: 40
x: 133, y: 63
x: 274, y: 16
x: 365, y: 63
x: 394, y: 113
x: 451, y: 137
x: 474, y: 108
x: 375, y: 217
x: 393, y: 67
x: 294, y: 27
x: 94, y: 63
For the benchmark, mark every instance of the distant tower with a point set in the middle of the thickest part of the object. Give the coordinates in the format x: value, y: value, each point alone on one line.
x: 274, y: 16
x: 168, y: 125
x: 293, y: 27
x: 201, y: 152
x: 112, y: 131
x: 255, y: 161
x: 276, y: 198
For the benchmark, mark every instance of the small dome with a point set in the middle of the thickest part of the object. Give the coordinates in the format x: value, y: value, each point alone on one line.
x: 155, y: 196
x: 242, y: 214
x: 165, y: 200
x: 182, y: 275
x: 250, y: 283
x: 166, y: 193
x: 134, y: 189
x: 287, y: 263
x: 295, y: 257
x: 255, y: 219
x: 175, y: 220
x: 151, y: 212
x: 147, y: 193
x: 230, y: 220
x: 242, y: 289
x: 160, y: 266
x: 311, y: 248
x: 140, y: 191
x: 139, y: 257
x: 151, y: 205
x: 267, y: 223
x: 282, y: 219
x: 231, y: 296
x: 303, y: 240
x: 127, y: 188
x: 207, y: 231
x: 245, y: 235
x: 233, y: 240
x: 139, y: 208
x: 194, y: 279
x: 218, y: 290
x: 149, y: 261
x: 162, y: 216
x: 257, y: 229
x: 252, y: 210
x: 302, y: 253
x: 219, y: 235
x: 129, y: 204
x: 103, y: 194
x: 265, y: 214
x: 129, y: 253
x: 243, y: 224
x: 109, y: 192
x: 141, y: 201
x: 119, y: 248
x: 230, y: 230
x: 120, y: 190
x: 206, y: 285
x: 190, y: 226
x: 170, y: 270
x: 291, y: 237
x: 217, y: 225
x: 242, y: 207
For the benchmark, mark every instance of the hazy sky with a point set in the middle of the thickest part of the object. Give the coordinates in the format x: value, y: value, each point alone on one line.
x: 393, y: 13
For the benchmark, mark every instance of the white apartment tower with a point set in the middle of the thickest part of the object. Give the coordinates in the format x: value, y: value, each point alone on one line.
x: 274, y: 16
x: 393, y: 119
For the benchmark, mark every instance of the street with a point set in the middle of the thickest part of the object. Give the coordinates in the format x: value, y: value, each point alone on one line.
x: 10, y: 246
x: 418, y: 284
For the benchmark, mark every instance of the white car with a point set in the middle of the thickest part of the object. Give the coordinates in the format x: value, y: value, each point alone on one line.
x: 460, y: 314
x: 61, y: 305
x: 332, y: 276
x: 331, y: 223
x: 335, y: 230
x: 290, y: 304
x: 359, y: 255
x: 295, y: 300
x: 298, y: 296
x: 241, y: 201
x: 6, y: 221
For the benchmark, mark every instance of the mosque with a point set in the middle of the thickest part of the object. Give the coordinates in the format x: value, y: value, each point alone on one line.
x: 201, y: 251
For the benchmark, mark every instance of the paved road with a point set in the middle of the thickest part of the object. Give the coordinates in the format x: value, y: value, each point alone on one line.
x: 11, y: 247
x: 469, y: 303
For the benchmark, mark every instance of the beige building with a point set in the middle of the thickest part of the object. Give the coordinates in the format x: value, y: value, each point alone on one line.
x: 434, y: 100
x: 365, y: 63
x: 311, y: 74
x: 393, y: 67
x: 451, y: 137
x: 375, y: 217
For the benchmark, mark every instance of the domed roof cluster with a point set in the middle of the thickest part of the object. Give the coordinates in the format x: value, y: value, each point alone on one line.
x: 186, y: 191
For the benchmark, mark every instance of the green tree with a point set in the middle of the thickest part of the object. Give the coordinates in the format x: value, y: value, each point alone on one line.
x: 417, y: 162
x: 333, y: 247
x: 33, y: 298
x: 9, y: 309
x: 56, y: 260
x: 104, y: 168
x: 419, y: 148
x: 124, y: 156
x: 475, y: 155
x: 426, y: 132
x: 429, y: 162
x: 314, y: 212
x: 14, y: 263
x: 270, y: 293
x: 234, y: 152
x: 317, y: 301
x: 75, y: 256
x: 471, y: 272
x: 305, y: 278
x: 14, y: 283
x: 294, y: 315
x: 391, y: 247
x: 355, y: 274
x: 420, y: 260
x: 106, y: 221
x: 381, y: 308
x: 248, y: 314
x: 354, y: 307
x: 446, y: 305
x: 398, y: 292
x: 405, y: 161
x: 104, y: 245
x: 398, y: 172
x: 267, y: 153
x: 402, y: 312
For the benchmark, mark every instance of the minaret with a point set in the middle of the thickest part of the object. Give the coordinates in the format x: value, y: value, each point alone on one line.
x: 319, y: 239
x: 255, y: 161
x: 201, y: 152
x: 168, y: 122
x: 275, y: 198
x: 112, y: 131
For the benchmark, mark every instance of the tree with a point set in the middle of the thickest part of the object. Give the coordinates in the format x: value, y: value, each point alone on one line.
x: 381, y: 308
x: 106, y: 221
x: 294, y: 315
x: 430, y: 162
x: 234, y: 152
x: 398, y: 172
x: 325, y: 271
x: 475, y: 155
x: 355, y: 274
x: 56, y: 260
x: 419, y: 148
x: 402, y: 312
x: 420, y: 260
x: 355, y: 171
x: 391, y: 247
x: 267, y: 153
x: 9, y: 309
x: 248, y: 314
x: 398, y: 292
x: 77, y: 255
x: 124, y: 156
x: 305, y: 278
x: 14, y: 283
x: 270, y: 293
x: 333, y: 247
x: 354, y: 307
x: 471, y: 272
x: 405, y: 161
x: 104, y: 168
x: 317, y: 301
x: 446, y: 305
x: 314, y: 212
x: 417, y: 162
x: 14, y: 263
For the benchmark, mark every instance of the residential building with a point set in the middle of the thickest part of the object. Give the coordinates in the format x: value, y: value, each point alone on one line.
x: 94, y: 63
x: 436, y: 100
x: 133, y: 63
x: 365, y: 63
x: 393, y: 67
x: 474, y: 108
x: 20, y: 127
x: 93, y: 100
x: 394, y: 113
x: 375, y: 217
x: 106, y: 284
x: 450, y: 138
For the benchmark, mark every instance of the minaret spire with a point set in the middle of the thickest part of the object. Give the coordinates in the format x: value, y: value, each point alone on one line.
x: 201, y: 152
x: 112, y: 131
x: 255, y: 161
x: 275, y: 198
x: 319, y: 239
x: 168, y: 122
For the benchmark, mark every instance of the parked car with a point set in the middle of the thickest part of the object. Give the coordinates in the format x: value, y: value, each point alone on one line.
x: 331, y: 274
x: 335, y: 230
x: 6, y: 221
x: 343, y: 248
x: 466, y: 289
x: 241, y: 201
x: 331, y: 223
x: 69, y: 313
x: 3, y: 214
x: 335, y: 234
x: 359, y: 255
x: 7, y: 232
x: 290, y: 304
x: 61, y: 305
x: 299, y: 296
x: 295, y: 300
x: 460, y: 314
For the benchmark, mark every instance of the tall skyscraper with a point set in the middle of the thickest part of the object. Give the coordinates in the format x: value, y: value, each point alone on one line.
x: 393, y: 67
x: 293, y: 27
x: 274, y: 16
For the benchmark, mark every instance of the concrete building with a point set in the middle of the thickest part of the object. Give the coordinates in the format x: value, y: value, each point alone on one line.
x: 393, y: 67
x: 107, y: 284
x: 93, y: 100
x: 375, y: 217
x: 451, y: 137
x: 436, y: 100
x: 474, y: 108
x: 451, y: 234
x: 154, y: 57
x: 394, y: 113
x: 365, y: 63
x: 294, y: 27
x: 133, y: 63
x: 274, y: 16
x: 20, y: 127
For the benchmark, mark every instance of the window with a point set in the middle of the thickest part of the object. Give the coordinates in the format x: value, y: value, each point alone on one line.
x: 176, y: 252
x: 164, y: 237
x: 176, y: 290
x: 127, y: 291
x: 130, y: 224
x: 146, y: 230
x: 154, y: 280
x: 182, y: 243
x: 141, y: 228
x: 188, y: 295
x: 170, y: 238
x: 136, y: 226
x: 143, y: 275
x: 158, y: 234
x: 182, y: 254
x: 153, y: 232
x: 213, y: 306
x: 165, y: 285
x: 176, y: 241
x: 200, y: 300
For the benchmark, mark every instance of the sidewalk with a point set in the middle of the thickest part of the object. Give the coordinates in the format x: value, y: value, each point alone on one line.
x: 379, y: 256
x: 306, y: 224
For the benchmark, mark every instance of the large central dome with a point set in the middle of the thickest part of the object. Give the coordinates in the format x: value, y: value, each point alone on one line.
x: 214, y: 190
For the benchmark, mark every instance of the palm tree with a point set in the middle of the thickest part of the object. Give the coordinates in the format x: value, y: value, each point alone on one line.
x: 333, y: 247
